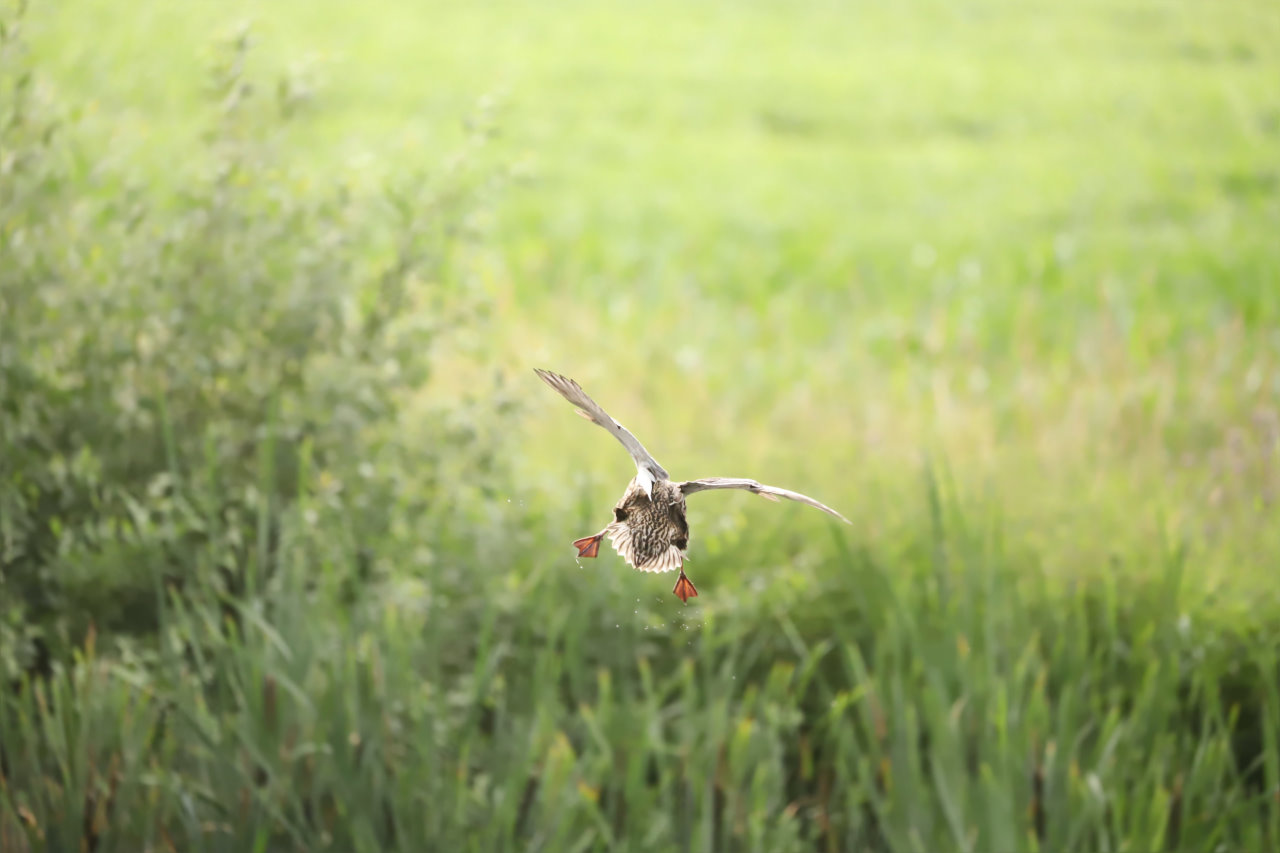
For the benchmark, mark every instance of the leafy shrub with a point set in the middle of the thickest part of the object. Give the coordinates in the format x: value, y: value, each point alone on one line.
x: 168, y: 364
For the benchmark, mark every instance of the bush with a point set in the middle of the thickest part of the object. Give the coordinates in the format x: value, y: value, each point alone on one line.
x: 176, y: 372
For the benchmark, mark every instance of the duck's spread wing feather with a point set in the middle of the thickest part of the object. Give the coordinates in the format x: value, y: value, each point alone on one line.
x: 771, y: 492
x: 667, y: 558
x: 573, y: 392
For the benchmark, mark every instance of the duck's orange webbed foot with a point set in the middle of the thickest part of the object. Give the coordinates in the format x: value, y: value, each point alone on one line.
x: 684, y: 588
x: 588, y: 546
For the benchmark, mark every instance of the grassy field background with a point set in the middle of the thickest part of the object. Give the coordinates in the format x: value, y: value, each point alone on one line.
x: 999, y: 281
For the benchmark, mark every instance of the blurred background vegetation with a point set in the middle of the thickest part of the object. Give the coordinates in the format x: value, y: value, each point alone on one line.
x: 284, y: 512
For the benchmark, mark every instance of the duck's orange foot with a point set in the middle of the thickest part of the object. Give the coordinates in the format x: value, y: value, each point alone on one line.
x: 589, y: 546
x: 684, y: 588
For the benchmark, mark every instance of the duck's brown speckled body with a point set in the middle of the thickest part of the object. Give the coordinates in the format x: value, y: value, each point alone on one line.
x: 650, y: 533
x: 649, y: 528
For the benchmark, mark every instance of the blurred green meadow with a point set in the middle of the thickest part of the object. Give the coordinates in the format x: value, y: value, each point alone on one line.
x: 284, y: 558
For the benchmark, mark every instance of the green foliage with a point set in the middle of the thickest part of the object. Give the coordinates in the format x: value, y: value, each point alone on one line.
x: 268, y: 583
x: 157, y: 352
x: 965, y: 709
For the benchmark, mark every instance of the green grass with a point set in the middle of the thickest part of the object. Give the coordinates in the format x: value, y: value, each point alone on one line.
x: 940, y: 703
x: 816, y: 244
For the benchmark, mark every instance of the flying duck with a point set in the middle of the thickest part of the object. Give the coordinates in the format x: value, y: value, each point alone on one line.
x: 650, y: 529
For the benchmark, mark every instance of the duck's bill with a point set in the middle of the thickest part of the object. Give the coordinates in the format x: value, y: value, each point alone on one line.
x: 684, y: 588
x: 589, y: 546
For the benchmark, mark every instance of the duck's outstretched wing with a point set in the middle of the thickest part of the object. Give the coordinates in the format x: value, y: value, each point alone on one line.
x: 771, y: 492
x: 591, y: 410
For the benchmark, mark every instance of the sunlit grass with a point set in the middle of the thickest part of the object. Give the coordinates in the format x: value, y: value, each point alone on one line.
x: 998, y: 281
